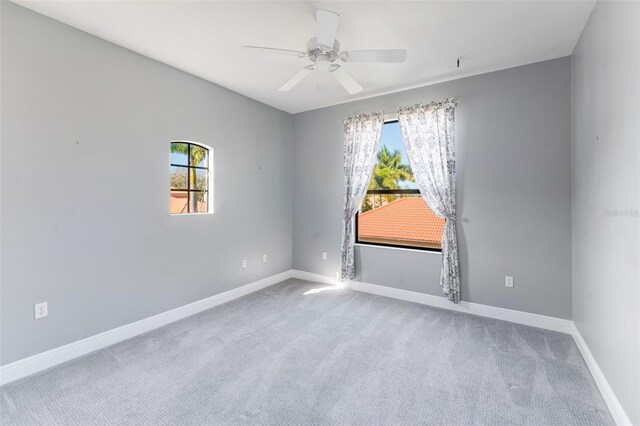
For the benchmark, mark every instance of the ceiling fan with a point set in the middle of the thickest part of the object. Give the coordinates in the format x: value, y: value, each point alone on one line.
x: 324, y: 53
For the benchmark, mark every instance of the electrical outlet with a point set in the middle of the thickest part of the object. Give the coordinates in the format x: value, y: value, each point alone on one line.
x: 508, y: 281
x: 264, y: 258
x: 41, y: 310
x: 324, y: 255
x: 244, y: 264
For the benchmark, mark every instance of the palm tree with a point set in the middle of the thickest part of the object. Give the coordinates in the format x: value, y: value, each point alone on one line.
x: 388, y: 172
x: 197, y: 154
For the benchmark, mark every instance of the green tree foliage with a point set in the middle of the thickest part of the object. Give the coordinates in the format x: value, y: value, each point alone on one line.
x: 388, y: 173
x: 179, y: 180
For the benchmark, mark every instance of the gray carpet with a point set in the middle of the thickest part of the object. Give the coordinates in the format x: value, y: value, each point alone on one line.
x: 302, y: 353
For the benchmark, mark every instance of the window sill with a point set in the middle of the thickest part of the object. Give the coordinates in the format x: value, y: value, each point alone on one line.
x: 398, y: 248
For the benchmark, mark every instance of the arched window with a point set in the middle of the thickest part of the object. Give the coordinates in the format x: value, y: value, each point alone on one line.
x: 191, y: 178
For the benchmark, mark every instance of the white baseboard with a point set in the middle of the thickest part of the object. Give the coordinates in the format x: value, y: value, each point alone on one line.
x: 44, y: 360
x: 519, y: 317
x: 38, y: 362
x: 310, y: 276
x: 615, y: 408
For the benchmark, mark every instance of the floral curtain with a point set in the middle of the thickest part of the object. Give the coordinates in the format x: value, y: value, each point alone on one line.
x: 428, y: 132
x: 361, y: 140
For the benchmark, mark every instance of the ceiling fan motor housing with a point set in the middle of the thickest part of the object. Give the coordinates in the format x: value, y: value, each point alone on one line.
x: 319, y: 55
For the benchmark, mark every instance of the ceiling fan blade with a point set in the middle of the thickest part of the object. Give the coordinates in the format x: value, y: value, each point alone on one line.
x: 388, y: 55
x: 271, y: 50
x: 345, y: 79
x: 297, y: 78
x: 326, y: 28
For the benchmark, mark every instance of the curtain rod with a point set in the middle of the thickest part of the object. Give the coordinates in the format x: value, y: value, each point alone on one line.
x: 394, y: 113
x: 452, y: 100
x: 448, y: 100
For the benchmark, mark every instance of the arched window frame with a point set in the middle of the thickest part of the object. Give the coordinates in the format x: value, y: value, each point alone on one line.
x: 190, y: 189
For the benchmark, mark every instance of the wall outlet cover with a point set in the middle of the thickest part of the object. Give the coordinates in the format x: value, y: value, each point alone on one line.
x: 508, y: 281
x: 41, y: 310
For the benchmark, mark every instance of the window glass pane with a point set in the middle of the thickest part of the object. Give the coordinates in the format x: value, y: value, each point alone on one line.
x: 199, y: 156
x: 396, y: 219
x: 179, y: 154
x: 178, y: 177
x: 178, y: 200
x: 201, y: 180
x: 198, y: 202
x: 189, y: 178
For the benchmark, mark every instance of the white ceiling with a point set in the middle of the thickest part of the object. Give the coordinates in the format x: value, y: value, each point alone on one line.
x: 204, y: 38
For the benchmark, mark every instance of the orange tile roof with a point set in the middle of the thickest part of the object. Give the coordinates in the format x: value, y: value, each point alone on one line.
x: 179, y: 203
x: 407, y: 219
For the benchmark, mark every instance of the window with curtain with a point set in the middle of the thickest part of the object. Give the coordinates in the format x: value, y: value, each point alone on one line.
x: 191, y: 177
x: 393, y: 213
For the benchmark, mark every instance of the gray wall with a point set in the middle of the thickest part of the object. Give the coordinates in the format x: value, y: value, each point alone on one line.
x: 85, y: 134
x: 84, y: 214
x: 606, y: 178
x: 513, y: 190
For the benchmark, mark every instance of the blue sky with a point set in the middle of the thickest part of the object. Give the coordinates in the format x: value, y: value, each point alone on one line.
x: 392, y: 138
x: 178, y: 158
